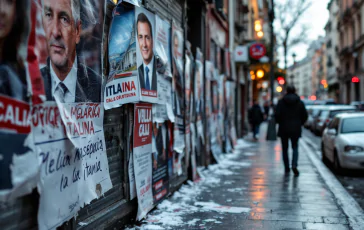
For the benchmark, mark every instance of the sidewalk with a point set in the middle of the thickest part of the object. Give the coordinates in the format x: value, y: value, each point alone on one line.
x: 249, y: 190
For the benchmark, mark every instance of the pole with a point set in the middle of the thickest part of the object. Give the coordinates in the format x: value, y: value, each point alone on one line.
x: 271, y: 132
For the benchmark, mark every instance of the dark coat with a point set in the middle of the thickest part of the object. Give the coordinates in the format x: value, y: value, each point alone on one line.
x: 255, y: 115
x: 290, y: 114
x: 88, y: 88
x: 154, y: 76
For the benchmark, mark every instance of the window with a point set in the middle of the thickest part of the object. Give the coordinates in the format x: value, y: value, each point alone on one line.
x: 334, y: 124
x: 353, y: 125
x: 335, y: 112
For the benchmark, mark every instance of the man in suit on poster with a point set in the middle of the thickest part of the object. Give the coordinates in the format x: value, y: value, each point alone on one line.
x: 147, y: 70
x: 66, y: 79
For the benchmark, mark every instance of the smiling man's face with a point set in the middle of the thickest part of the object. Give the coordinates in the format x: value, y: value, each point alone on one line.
x: 61, y: 32
x: 145, y: 41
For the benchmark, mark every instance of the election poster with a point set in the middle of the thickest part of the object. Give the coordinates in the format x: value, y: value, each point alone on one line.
x: 198, y: 105
x: 72, y: 72
x: 68, y: 127
x: 193, y: 153
x: 70, y: 143
x: 188, y: 72
x: 178, y: 89
x: 142, y: 151
x: 18, y: 162
x: 164, y: 72
x: 160, y: 142
x: 146, y: 55
x: 122, y: 85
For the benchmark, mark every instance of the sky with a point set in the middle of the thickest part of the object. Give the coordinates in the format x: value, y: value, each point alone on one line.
x: 120, y: 33
x: 315, y: 18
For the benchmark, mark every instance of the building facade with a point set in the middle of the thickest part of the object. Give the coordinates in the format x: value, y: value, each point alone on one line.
x: 351, y: 50
x: 332, y: 50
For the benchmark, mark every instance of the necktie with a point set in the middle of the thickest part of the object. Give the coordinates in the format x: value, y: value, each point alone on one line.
x: 63, y: 90
x: 147, y: 85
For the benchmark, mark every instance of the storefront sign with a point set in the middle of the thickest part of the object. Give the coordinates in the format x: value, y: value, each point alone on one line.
x: 241, y: 54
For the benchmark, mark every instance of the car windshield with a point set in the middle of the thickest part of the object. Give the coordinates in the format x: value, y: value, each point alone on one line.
x: 324, y: 113
x: 315, y: 112
x: 353, y: 125
x: 333, y: 113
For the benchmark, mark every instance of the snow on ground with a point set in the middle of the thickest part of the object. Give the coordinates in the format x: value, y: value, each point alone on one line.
x: 169, y: 213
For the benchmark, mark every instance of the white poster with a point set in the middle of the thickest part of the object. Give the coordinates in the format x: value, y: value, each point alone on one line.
x: 142, y: 145
x: 70, y: 143
x: 121, y: 91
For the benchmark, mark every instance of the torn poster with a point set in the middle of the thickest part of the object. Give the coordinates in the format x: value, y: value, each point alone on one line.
x: 142, y: 143
x: 70, y: 143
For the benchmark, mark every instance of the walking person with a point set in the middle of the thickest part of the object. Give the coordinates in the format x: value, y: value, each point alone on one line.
x: 291, y: 114
x: 255, y: 116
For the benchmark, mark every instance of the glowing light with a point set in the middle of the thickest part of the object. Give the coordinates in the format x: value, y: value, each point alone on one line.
x: 260, y: 73
x: 313, y: 97
x: 279, y: 89
x: 260, y: 34
x: 355, y: 79
x: 252, y: 76
x: 323, y: 82
x: 281, y: 80
x: 257, y: 26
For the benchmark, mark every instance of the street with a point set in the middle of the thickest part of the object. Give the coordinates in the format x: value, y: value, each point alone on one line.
x: 248, y: 189
x: 353, y: 181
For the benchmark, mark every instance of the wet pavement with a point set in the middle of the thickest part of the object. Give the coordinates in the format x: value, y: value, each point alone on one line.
x: 249, y: 190
x: 353, y: 181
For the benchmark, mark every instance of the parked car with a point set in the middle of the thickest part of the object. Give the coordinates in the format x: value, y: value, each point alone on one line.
x: 312, y: 113
x: 343, y: 141
x: 329, y: 101
x: 326, y: 114
x: 358, y: 104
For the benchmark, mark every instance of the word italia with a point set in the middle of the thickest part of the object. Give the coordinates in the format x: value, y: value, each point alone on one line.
x: 122, y: 87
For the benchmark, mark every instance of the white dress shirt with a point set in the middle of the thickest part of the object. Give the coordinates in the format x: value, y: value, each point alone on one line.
x: 70, y: 82
x: 150, y: 75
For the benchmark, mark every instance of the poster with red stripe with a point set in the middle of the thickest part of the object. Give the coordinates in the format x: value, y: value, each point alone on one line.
x: 122, y: 83
x: 18, y: 162
x: 142, y: 145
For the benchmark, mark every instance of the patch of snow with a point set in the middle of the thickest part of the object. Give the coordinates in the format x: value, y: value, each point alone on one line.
x: 248, y: 154
x: 235, y: 189
x: 209, y: 220
x: 193, y: 222
x: 221, y: 208
x: 229, y: 182
x: 151, y: 227
x: 350, y: 187
x: 82, y: 223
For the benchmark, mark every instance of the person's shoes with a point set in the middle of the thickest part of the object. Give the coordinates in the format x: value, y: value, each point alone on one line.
x: 295, y: 171
x: 287, y: 170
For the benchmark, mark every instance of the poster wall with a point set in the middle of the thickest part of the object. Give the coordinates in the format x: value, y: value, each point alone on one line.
x: 160, y: 162
x: 146, y: 55
x: 122, y: 83
x: 142, y: 142
x: 18, y: 163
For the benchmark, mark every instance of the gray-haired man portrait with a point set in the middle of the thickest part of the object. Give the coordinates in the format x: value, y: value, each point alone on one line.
x: 66, y: 79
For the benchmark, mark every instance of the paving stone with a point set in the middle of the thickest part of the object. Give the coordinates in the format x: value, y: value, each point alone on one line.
x: 335, y: 220
x: 320, y: 226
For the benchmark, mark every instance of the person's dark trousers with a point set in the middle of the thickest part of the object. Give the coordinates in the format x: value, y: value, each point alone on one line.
x: 255, y: 130
x: 294, y: 142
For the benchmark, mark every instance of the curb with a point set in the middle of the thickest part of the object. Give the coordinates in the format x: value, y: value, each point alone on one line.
x: 348, y: 204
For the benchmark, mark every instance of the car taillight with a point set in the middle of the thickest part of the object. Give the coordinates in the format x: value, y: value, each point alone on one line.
x: 327, y: 120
